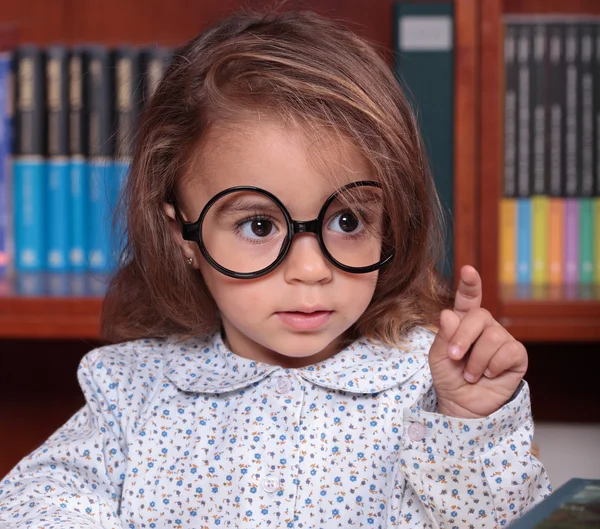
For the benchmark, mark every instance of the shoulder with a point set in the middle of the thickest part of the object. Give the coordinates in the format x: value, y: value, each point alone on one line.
x: 129, y: 371
x: 143, y: 356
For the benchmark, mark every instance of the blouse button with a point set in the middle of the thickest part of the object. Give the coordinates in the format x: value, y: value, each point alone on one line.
x: 283, y: 385
x: 416, y: 431
x: 270, y: 484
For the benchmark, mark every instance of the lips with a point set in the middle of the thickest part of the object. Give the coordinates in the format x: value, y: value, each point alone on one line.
x: 306, y: 319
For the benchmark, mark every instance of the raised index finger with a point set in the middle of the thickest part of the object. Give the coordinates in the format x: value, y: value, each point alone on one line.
x: 469, y: 292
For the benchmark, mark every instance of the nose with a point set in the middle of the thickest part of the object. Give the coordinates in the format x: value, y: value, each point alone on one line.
x: 305, y: 261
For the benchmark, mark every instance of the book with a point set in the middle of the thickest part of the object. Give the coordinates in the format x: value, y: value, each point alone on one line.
x: 102, y: 187
x: 5, y: 141
x: 524, y: 159
x: 78, y: 152
x: 555, y: 152
x: 574, y: 505
x: 586, y: 153
x: 29, y: 165
x: 539, y: 202
x: 58, y: 173
x: 572, y: 160
x: 424, y: 64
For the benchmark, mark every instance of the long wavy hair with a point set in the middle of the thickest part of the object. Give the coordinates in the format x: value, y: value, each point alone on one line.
x: 300, y: 66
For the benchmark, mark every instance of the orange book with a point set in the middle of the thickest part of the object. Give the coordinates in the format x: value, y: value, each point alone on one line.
x: 508, y: 241
x: 555, y: 240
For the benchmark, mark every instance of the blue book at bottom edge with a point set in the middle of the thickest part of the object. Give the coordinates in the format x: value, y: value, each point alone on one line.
x: 102, y: 193
x: 576, y: 504
x: 524, y: 240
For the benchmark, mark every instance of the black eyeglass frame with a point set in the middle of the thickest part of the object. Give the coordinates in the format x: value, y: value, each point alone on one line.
x: 192, y: 231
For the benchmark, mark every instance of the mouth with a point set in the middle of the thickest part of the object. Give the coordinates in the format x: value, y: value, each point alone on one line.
x: 305, y: 319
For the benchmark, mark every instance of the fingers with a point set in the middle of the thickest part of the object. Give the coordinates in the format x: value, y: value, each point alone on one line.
x: 469, y: 292
x: 494, y: 353
x: 449, y: 323
x: 512, y: 356
x: 471, y: 327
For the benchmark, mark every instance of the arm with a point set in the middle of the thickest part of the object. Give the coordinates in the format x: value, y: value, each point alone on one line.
x: 476, y: 473
x: 74, y: 480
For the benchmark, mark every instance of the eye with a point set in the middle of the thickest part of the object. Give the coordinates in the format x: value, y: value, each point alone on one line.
x: 257, y: 228
x: 345, y: 222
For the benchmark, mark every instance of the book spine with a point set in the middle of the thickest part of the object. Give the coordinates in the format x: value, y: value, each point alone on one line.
x: 128, y: 101
x: 524, y: 214
x: 508, y: 219
x: 572, y: 167
x: 539, y: 205
x: 102, y: 184
x: 153, y: 63
x: 597, y: 156
x: 78, y: 152
x: 586, y: 222
x: 29, y: 168
x: 555, y: 154
x: 4, y: 155
x: 57, y: 115
x: 425, y: 45
x: 508, y: 250
x: 556, y: 224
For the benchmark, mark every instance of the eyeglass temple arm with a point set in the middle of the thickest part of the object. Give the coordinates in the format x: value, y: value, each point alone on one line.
x: 189, y: 231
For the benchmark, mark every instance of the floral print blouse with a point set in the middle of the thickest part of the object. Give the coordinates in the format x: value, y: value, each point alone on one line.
x: 182, y: 433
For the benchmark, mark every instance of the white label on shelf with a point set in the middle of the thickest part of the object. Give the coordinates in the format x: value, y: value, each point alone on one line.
x: 425, y: 33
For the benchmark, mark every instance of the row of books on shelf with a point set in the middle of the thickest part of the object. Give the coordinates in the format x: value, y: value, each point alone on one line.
x: 550, y: 208
x: 66, y: 139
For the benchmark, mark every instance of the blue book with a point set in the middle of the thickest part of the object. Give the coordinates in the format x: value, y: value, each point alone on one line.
x: 78, y: 152
x: 58, y: 191
x: 103, y: 185
x: 29, y: 165
x: 5, y: 136
x: 524, y: 240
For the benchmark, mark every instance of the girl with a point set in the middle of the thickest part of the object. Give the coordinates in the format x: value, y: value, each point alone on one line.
x: 274, y: 365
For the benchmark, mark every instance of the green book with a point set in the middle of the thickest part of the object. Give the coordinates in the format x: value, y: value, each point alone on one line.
x: 424, y: 65
x: 586, y: 241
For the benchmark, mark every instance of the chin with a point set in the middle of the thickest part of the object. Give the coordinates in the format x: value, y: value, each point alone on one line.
x: 302, y: 345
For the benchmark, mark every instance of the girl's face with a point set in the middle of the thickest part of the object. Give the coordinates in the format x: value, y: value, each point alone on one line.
x: 296, y: 314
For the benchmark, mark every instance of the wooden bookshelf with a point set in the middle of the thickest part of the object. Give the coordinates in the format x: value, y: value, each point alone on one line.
x: 478, y: 140
x: 568, y: 314
x: 42, y: 338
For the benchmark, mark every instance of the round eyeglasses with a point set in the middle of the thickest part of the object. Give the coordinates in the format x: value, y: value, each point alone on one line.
x: 245, y: 232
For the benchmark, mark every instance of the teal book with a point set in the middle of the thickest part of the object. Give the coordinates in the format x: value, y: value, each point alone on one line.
x: 576, y: 505
x: 424, y: 65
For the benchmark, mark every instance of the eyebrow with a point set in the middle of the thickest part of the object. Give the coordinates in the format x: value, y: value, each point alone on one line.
x: 242, y: 205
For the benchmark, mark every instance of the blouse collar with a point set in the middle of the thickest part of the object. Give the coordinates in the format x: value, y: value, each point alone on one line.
x: 206, y: 365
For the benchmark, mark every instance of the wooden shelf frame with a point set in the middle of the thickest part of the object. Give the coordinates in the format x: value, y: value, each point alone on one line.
x: 561, y: 319
x: 478, y: 138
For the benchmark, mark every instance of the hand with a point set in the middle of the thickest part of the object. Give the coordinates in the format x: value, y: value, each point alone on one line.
x: 475, y: 363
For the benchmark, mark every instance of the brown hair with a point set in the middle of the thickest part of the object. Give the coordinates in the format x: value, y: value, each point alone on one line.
x: 303, y: 67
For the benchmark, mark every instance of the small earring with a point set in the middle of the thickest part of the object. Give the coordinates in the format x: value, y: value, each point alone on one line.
x: 189, y: 261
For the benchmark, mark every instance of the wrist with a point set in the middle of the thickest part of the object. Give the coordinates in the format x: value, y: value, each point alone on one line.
x: 451, y: 409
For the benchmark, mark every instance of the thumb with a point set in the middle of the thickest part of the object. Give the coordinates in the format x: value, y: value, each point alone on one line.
x: 449, y: 322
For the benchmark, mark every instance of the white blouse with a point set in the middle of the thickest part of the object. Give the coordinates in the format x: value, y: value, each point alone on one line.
x: 184, y: 433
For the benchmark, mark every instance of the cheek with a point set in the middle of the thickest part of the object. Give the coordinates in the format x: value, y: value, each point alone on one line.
x: 359, y: 289
x: 233, y: 295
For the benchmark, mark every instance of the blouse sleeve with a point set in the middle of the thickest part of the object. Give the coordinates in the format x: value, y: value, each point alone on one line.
x: 470, y: 472
x: 74, y: 480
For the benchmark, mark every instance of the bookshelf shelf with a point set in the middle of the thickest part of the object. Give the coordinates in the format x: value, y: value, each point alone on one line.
x: 566, y: 314
x: 46, y: 317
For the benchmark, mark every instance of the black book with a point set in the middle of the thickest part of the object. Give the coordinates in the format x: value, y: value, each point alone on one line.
x: 510, y: 110
x: 556, y: 109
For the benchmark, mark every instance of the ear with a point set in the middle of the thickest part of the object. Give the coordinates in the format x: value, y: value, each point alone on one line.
x: 186, y: 246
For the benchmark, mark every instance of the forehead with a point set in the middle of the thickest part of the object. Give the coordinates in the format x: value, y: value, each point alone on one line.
x: 301, y: 167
